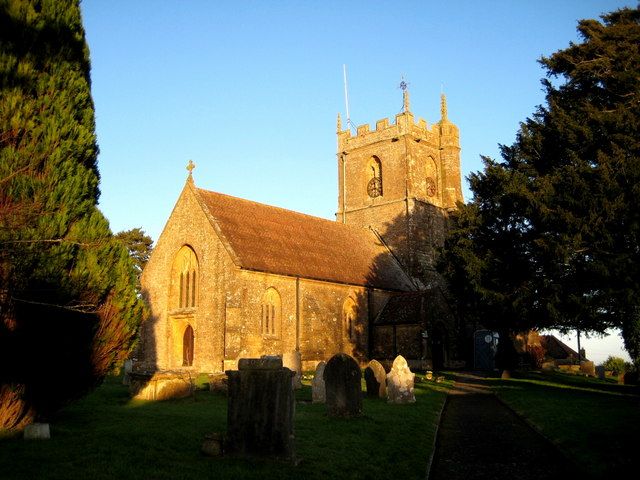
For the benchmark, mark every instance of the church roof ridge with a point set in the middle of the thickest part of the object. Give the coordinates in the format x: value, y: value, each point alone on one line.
x: 276, y: 240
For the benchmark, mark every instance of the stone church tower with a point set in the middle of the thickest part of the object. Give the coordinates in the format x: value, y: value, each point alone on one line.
x: 401, y: 180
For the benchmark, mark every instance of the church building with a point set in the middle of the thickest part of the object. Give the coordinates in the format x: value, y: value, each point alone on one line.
x: 230, y: 278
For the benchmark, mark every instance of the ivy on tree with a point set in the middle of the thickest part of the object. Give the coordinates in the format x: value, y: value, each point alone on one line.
x: 552, y: 236
x: 68, y: 304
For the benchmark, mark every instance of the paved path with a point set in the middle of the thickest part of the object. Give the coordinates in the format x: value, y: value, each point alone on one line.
x: 481, y: 438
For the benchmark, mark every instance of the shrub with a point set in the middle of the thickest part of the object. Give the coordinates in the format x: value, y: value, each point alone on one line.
x: 615, y: 364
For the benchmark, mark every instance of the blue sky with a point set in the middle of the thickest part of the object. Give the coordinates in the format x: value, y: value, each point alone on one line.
x: 250, y: 90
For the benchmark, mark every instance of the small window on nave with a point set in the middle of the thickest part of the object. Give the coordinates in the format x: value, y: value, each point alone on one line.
x: 374, y: 178
x: 349, y: 318
x: 271, y: 313
x: 184, y: 282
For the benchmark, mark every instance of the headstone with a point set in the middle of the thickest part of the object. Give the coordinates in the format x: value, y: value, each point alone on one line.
x: 400, y: 382
x: 37, y: 431
x: 318, y: 393
x: 376, y: 379
x: 260, y: 409
x: 342, y: 383
x: 428, y: 375
x: 293, y: 362
x: 600, y: 372
x: 128, y: 368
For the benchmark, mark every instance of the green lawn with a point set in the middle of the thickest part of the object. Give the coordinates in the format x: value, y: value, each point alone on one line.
x: 106, y: 436
x: 593, y: 422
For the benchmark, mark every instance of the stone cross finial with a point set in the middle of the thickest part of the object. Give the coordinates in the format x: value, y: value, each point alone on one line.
x: 190, y: 167
x: 443, y: 106
x: 339, y: 127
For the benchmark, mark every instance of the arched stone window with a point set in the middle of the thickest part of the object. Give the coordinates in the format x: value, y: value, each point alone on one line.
x: 431, y: 178
x: 374, y: 177
x: 349, y: 318
x: 184, y: 284
x: 271, y: 313
x: 187, y: 346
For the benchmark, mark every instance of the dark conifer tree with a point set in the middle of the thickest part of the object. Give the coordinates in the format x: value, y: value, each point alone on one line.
x: 552, y: 236
x: 68, y: 303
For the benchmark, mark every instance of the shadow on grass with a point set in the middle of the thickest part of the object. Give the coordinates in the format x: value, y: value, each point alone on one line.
x: 106, y: 435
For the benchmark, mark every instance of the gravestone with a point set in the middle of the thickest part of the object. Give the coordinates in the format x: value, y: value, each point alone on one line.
x: 293, y: 362
x: 600, y: 372
x: 376, y: 379
x: 260, y: 409
x: 318, y: 394
x: 400, y: 382
x: 37, y: 431
x: 342, y: 385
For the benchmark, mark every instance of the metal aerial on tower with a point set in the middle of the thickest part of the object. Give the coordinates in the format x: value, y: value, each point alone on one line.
x: 346, y: 96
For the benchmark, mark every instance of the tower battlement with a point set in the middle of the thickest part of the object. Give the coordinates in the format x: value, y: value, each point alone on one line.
x: 442, y: 133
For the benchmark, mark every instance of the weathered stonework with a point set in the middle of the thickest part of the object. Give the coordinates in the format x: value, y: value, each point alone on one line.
x: 228, y: 278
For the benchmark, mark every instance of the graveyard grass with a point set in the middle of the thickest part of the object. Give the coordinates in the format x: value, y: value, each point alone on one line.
x: 593, y: 422
x: 107, y: 435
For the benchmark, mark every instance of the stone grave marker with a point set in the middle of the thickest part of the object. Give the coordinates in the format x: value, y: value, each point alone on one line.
x: 293, y: 361
x: 376, y: 379
x: 318, y: 393
x: 400, y: 382
x: 342, y: 385
x: 37, y: 431
x: 260, y: 409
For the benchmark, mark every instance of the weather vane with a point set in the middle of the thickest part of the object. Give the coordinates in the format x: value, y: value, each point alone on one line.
x: 405, y: 94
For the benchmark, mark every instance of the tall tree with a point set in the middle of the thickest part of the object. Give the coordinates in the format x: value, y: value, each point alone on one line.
x: 551, y: 238
x: 68, y: 304
x: 139, y: 245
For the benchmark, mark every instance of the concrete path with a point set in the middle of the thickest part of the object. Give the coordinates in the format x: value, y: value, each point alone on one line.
x: 480, y: 438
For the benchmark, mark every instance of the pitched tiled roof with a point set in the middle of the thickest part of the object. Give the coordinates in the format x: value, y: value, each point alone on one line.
x: 271, y: 239
x: 402, y: 308
x: 556, y: 348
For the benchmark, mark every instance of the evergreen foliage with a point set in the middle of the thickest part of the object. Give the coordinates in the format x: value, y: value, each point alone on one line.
x: 139, y: 246
x: 68, y: 303
x: 551, y: 238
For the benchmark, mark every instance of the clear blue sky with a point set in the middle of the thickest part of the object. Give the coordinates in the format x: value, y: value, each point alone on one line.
x: 250, y: 90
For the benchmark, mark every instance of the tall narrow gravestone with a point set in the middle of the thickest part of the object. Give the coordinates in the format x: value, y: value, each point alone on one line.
x: 318, y: 394
x: 342, y: 386
x: 400, y: 382
x: 260, y: 408
x: 376, y: 379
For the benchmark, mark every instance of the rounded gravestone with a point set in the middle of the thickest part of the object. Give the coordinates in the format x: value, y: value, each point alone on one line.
x: 376, y: 379
x: 400, y: 382
x: 318, y: 394
x: 342, y: 386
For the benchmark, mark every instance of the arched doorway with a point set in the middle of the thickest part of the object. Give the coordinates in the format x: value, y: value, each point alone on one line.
x: 187, y: 347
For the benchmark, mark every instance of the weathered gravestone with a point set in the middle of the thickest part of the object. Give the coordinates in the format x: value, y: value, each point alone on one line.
x: 318, y: 394
x: 37, y: 431
x: 376, y: 379
x: 260, y: 409
x: 342, y: 383
x: 293, y: 361
x: 400, y: 382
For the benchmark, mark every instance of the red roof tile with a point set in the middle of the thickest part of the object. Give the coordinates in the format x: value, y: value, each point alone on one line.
x: 275, y: 240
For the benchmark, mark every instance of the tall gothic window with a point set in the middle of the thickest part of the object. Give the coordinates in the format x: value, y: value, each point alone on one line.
x: 374, y: 182
x: 187, y: 347
x: 271, y: 313
x: 349, y: 318
x: 185, y: 279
